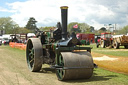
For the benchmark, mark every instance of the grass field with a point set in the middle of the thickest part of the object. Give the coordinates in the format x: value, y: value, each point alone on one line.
x: 14, y: 67
x: 110, y: 51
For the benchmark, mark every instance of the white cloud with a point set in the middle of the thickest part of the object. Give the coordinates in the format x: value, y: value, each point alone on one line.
x: 92, y: 12
x: 5, y: 10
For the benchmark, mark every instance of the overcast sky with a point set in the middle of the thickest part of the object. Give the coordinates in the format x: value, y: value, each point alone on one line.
x: 96, y: 13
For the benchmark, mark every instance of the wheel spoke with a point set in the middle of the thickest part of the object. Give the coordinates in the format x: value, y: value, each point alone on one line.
x: 61, y: 62
x: 31, y: 53
x: 31, y: 60
x: 30, y: 50
x: 60, y: 73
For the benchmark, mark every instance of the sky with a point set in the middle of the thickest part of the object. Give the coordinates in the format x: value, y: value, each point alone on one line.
x: 96, y: 13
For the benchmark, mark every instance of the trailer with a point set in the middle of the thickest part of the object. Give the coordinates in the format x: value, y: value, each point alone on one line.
x: 86, y: 39
x: 120, y: 40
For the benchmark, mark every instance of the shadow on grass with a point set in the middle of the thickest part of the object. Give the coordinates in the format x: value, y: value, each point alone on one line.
x: 95, y: 77
x: 47, y: 70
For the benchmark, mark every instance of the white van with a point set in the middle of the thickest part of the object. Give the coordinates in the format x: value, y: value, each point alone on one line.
x: 5, y: 39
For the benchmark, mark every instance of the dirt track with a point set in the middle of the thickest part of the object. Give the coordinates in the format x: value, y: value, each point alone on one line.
x: 14, y: 71
x: 112, y: 63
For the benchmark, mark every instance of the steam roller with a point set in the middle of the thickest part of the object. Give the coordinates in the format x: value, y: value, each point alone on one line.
x: 61, y: 50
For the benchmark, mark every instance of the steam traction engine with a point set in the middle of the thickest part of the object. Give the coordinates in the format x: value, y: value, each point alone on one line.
x: 61, y: 51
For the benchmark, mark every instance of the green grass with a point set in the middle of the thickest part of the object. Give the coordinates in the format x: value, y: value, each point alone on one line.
x: 112, y: 76
x: 112, y: 51
x: 122, y: 54
x: 13, y: 49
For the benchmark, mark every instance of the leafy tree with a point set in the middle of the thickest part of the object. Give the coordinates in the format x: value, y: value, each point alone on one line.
x: 22, y: 30
x: 31, y: 24
x: 124, y: 30
x: 14, y: 30
x: 92, y: 29
x: 70, y: 27
x: 84, y: 27
x: 45, y: 28
x: 7, y: 24
x: 76, y: 30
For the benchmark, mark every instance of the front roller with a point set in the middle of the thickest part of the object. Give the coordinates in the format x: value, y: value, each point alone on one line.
x: 34, y: 53
x: 74, y: 65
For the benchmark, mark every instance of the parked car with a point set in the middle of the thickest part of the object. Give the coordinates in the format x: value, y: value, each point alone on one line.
x: 0, y: 41
x: 5, y: 41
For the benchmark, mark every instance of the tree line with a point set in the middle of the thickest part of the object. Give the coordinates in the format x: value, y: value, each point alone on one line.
x: 11, y: 27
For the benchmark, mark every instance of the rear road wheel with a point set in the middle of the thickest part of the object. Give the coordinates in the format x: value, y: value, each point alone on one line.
x: 34, y: 54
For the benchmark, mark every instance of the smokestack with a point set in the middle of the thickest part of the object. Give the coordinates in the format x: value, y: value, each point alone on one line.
x: 64, y: 11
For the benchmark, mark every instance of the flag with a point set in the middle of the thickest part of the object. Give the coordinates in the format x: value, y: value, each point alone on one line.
x: 75, y: 26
